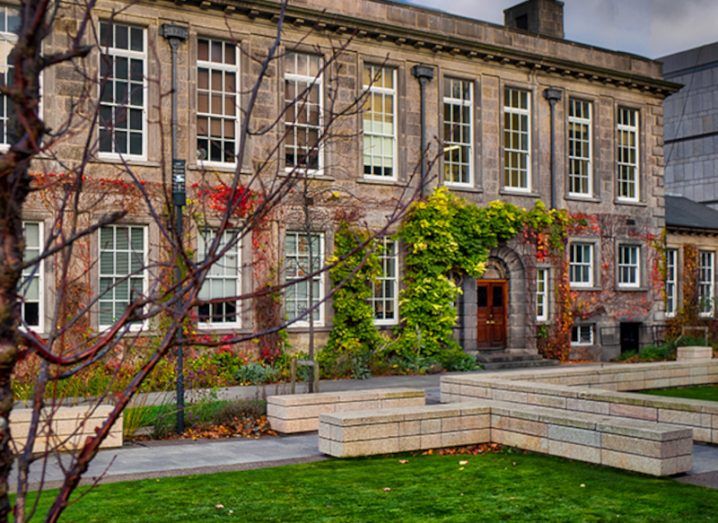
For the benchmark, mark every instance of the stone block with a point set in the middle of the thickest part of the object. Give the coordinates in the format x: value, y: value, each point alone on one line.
x: 583, y: 405
x: 646, y: 465
x: 573, y: 435
x: 633, y: 411
x: 648, y: 448
x: 519, y: 441
x: 691, y: 354
x: 534, y: 428
x: 574, y: 451
x: 684, y: 417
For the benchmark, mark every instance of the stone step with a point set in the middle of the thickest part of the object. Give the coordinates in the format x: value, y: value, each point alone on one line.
x: 518, y: 364
x: 504, y: 359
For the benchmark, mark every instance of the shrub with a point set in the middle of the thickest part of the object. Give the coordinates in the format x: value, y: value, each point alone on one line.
x: 255, y: 374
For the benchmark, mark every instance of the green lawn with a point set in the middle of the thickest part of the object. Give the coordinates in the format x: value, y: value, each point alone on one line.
x: 505, y: 486
x: 699, y: 392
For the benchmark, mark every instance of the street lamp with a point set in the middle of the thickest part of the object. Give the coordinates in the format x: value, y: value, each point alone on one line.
x: 175, y: 35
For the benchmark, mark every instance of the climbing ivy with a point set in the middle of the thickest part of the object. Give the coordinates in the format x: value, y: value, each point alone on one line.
x: 353, y: 337
x: 445, y: 234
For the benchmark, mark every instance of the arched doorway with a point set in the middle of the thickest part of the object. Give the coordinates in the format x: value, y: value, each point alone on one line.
x: 492, y: 307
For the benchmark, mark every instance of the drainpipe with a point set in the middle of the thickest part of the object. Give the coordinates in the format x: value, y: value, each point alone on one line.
x: 423, y: 73
x: 553, y: 95
x: 175, y: 35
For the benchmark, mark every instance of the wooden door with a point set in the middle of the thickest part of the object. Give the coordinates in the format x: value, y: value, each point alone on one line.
x: 491, y: 313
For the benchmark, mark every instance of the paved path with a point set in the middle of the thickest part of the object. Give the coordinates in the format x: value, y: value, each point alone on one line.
x: 181, y: 458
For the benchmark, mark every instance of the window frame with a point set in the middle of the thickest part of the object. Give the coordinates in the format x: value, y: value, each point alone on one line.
x: 592, y: 335
x: 320, y: 322
x: 672, y: 297
x: 621, y: 264
x: 237, y: 70
x: 588, y: 123
x: 709, y: 283
x: 308, y: 81
x: 627, y: 128
x: 145, y: 280
x: 370, y: 89
x: 129, y: 54
x: 542, y: 296
x: 38, y: 270
x: 504, y: 147
x: 11, y: 39
x: 591, y: 266
x: 382, y: 278
x: 237, y: 324
x: 449, y: 100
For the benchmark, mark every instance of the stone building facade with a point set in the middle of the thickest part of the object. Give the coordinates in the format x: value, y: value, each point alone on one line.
x: 488, y: 80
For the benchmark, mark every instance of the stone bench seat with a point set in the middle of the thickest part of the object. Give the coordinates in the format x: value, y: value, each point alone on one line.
x: 651, y: 448
x: 365, y: 433
x: 300, y: 412
x: 699, y: 415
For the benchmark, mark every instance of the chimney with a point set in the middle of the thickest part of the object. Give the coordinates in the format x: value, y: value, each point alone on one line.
x: 544, y: 17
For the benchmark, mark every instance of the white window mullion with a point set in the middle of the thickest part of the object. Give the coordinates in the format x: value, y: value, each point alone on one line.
x: 706, y: 283
x: 223, y: 280
x: 9, y: 27
x: 218, y: 90
x: 580, y: 148
x: 303, y: 98
x: 458, y: 132
x: 297, y: 267
x: 581, y: 264
x: 627, y: 155
x: 379, y: 122
x: 123, y: 91
x: 32, y: 283
x: 629, y: 266
x: 582, y: 335
x: 122, y: 270
x: 671, y: 282
x: 542, y: 294
x: 517, y: 140
x: 385, y: 296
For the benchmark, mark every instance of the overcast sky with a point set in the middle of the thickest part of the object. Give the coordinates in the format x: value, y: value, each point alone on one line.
x: 650, y: 28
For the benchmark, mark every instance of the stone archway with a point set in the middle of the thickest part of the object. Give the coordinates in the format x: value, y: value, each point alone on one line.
x: 504, y: 268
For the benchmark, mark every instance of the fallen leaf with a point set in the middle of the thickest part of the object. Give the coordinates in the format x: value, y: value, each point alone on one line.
x: 219, y: 506
x: 403, y: 461
x: 387, y: 489
x: 463, y: 462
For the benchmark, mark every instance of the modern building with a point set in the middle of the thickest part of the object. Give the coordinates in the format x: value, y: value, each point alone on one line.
x: 691, y: 124
x: 491, y: 93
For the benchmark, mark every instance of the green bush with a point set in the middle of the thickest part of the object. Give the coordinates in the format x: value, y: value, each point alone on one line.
x: 255, y: 373
x: 457, y: 361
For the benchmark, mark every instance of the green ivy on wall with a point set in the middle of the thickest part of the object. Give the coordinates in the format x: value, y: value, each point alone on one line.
x: 353, y: 337
x: 445, y: 234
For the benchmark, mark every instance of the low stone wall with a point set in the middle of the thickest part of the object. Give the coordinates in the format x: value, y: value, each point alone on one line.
x: 593, y: 390
x: 69, y: 429
x: 365, y: 433
x: 651, y: 448
x: 300, y: 412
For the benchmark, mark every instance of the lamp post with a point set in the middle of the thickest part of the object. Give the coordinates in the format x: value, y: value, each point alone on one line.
x: 175, y: 35
x: 553, y: 95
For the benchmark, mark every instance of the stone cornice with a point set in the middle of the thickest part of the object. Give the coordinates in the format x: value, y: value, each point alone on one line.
x: 299, y: 16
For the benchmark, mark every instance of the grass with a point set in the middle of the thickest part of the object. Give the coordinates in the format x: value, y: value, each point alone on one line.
x: 698, y: 392
x: 509, y: 485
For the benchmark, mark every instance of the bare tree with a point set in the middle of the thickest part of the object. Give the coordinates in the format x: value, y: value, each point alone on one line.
x: 57, y: 169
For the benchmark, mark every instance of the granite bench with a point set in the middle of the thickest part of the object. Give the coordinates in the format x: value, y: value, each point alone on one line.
x: 300, y: 412
x: 651, y: 448
x: 585, y: 394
